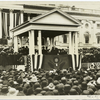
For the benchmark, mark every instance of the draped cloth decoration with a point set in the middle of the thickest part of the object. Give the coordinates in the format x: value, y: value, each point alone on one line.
x: 49, y: 62
x: 10, y: 60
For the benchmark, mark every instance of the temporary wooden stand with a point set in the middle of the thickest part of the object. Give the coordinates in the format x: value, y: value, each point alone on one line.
x: 51, y: 24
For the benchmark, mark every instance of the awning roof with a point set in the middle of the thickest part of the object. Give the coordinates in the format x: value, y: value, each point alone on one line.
x: 54, y: 20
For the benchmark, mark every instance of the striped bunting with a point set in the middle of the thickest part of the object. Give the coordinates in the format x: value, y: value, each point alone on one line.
x: 37, y: 61
x: 41, y: 60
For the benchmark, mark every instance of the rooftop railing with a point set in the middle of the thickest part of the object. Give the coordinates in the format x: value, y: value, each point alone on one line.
x: 80, y: 10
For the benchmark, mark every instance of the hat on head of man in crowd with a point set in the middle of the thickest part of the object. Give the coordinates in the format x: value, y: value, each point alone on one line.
x: 34, y: 79
x: 75, y: 83
x: 98, y: 75
x: 69, y: 82
x: 12, y: 92
x: 1, y: 80
x: 20, y: 80
x: 63, y: 80
x: 73, y: 92
x: 90, y: 91
x: 79, y: 91
x: 38, y: 90
x: 97, y: 92
x: 29, y: 91
x: 43, y: 92
x: 4, y: 90
x: 36, y: 85
x: 60, y: 88
x: 55, y: 82
x: 84, y: 85
x: 51, y: 86
x: 44, y: 83
x: 49, y: 93
x: 86, y: 92
x: 39, y: 94
x: 55, y: 91
x: 67, y: 88
x: 5, y: 82
x: 45, y: 88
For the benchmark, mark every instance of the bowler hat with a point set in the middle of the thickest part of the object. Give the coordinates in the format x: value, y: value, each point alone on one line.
x: 55, y: 92
x: 73, y: 92
x: 85, y: 92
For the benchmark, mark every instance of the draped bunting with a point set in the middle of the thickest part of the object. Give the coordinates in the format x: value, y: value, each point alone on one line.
x: 49, y: 62
x: 87, y: 65
x: 10, y: 60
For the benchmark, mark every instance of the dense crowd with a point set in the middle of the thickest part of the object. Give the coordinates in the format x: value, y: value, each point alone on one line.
x: 54, y: 51
x: 54, y: 82
x: 45, y: 50
x: 90, y: 54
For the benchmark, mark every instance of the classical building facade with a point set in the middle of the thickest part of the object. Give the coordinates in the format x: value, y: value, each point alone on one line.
x: 89, y: 30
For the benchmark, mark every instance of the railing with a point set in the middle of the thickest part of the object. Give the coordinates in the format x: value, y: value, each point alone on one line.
x: 81, y: 10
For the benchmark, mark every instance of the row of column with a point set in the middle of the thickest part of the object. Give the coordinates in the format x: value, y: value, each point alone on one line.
x: 73, y: 47
x: 11, y: 21
x: 31, y: 42
x: 73, y: 44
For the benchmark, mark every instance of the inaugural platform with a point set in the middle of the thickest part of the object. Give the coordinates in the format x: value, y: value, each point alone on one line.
x: 49, y: 25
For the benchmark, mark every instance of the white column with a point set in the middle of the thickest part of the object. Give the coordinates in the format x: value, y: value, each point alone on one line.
x: 76, y: 43
x: 76, y: 47
x: 20, y: 41
x: 94, y: 32
x: 11, y: 22
x: 15, y: 44
x: 40, y: 42
x: 72, y: 45
x: 33, y: 41
x: 0, y: 23
x: 70, y: 50
x: 30, y: 43
x: 28, y: 17
x: 30, y: 48
x: 22, y: 16
x: 80, y: 35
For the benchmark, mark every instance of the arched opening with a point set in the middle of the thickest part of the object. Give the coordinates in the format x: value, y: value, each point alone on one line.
x: 86, y: 37
x: 98, y: 38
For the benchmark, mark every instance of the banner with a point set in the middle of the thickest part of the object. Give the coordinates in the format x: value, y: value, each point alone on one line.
x: 49, y: 62
x: 10, y: 60
x: 87, y: 65
x: 56, y: 62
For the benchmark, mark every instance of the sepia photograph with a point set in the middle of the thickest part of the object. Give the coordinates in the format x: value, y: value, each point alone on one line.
x: 50, y: 48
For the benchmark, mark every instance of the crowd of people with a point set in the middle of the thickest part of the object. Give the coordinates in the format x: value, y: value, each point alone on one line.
x: 24, y: 50
x: 54, y: 82
x: 54, y: 51
x: 45, y: 50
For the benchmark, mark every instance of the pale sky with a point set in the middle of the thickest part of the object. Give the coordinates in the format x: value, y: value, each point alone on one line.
x: 79, y: 4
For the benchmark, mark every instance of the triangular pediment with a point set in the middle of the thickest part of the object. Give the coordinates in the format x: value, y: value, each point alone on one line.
x: 55, y: 17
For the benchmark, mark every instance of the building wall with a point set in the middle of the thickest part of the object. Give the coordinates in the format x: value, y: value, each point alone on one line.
x: 90, y: 22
